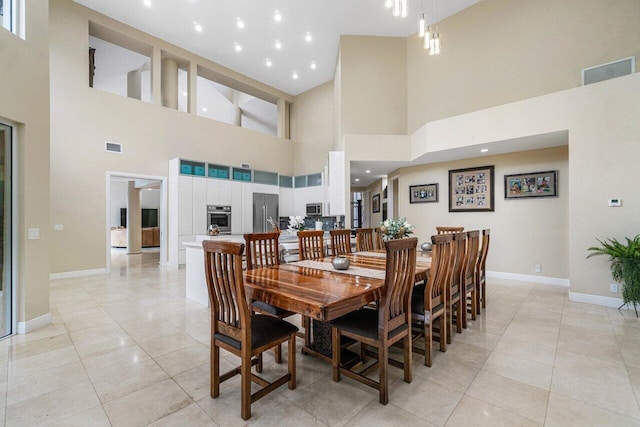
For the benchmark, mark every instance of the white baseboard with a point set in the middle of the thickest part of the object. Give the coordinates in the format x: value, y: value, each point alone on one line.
x: 595, y: 299
x: 528, y: 278
x: 78, y: 273
x: 33, y: 324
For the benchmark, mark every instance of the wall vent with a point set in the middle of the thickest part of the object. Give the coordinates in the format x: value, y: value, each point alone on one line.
x: 246, y: 166
x: 610, y: 70
x: 112, y: 147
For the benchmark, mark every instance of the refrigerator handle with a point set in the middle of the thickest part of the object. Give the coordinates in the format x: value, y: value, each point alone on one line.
x: 264, y: 219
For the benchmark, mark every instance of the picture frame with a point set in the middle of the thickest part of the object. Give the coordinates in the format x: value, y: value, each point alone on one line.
x: 425, y: 193
x: 472, y: 189
x: 531, y: 185
x: 375, y: 203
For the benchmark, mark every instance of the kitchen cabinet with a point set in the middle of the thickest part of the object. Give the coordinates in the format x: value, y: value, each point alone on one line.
x: 219, y: 192
x: 336, y: 184
x: 236, y: 207
x: 199, y: 206
x: 286, y: 201
x: 185, y: 205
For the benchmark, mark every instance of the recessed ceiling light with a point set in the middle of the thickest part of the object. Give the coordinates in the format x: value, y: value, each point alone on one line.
x: 484, y: 150
x: 277, y: 44
x: 388, y: 4
x: 197, y: 26
x: 237, y: 47
x: 184, y: 93
x: 276, y: 16
x: 268, y: 62
x: 239, y: 22
x: 313, y: 65
x: 368, y: 171
x: 357, y: 179
x: 294, y: 75
x: 308, y: 37
x: 147, y: 3
x: 204, y: 109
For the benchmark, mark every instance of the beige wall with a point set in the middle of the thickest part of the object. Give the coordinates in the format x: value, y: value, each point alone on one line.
x: 82, y: 119
x: 373, y: 84
x: 312, y: 129
x: 24, y: 100
x: 500, y: 51
x: 524, y: 232
x: 375, y: 218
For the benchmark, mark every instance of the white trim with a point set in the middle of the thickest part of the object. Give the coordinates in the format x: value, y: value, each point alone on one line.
x: 528, y: 278
x: 33, y: 324
x: 596, y: 299
x: 77, y: 273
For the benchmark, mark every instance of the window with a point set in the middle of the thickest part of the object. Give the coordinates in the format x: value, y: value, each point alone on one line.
x: 7, y: 14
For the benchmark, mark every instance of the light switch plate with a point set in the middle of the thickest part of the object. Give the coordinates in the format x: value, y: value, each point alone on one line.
x: 58, y: 227
x: 34, y: 234
x: 615, y: 202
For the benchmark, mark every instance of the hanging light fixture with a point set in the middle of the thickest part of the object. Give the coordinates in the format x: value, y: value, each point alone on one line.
x: 421, y: 25
x: 399, y: 8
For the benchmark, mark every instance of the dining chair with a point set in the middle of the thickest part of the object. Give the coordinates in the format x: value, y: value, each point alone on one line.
x: 468, y: 287
x: 449, y: 230
x: 311, y: 244
x: 364, y: 239
x: 383, y: 327
x: 459, y: 247
x: 428, y: 301
x: 263, y: 251
x: 340, y: 242
x: 236, y: 330
x: 378, y: 241
x: 481, y: 271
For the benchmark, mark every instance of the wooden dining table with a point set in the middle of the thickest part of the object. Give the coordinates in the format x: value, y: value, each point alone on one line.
x: 313, y: 288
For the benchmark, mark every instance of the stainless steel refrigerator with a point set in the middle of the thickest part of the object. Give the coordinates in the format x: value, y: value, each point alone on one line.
x: 265, y: 206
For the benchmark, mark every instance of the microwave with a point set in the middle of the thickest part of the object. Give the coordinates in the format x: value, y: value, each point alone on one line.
x: 314, y: 209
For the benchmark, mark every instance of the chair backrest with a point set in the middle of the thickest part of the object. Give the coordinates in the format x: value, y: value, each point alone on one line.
x: 340, y: 242
x: 230, y: 314
x: 448, y: 230
x: 262, y: 249
x: 399, y: 280
x: 482, y: 259
x: 364, y: 239
x: 378, y: 241
x: 459, y: 262
x: 473, y: 242
x: 311, y: 244
x: 442, y: 258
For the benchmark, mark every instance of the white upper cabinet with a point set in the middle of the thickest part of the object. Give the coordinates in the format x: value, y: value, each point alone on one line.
x: 185, y: 205
x: 200, y: 205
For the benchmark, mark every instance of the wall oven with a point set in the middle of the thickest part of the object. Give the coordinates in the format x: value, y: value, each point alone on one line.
x: 220, y: 216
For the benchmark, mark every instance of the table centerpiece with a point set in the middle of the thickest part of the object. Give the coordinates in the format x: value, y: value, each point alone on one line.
x: 394, y: 228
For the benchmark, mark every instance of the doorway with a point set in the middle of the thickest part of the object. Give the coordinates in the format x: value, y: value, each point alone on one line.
x: 147, y: 220
x: 6, y: 227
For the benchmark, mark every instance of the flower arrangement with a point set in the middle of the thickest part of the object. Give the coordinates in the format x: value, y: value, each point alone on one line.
x: 296, y: 223
x: 395, y: 228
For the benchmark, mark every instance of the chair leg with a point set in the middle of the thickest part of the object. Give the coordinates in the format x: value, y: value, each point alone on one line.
x: 449, y: 320
x: 363, y: 352
x: 245, y: 389
x: 459, y: 317
x: 408, y: 363
x: 443, y: 333
x: 335, y: 360
x: 463, y: 303
x: 215, y: 370
x: 259, y: 365
x: 292, y: 361
x: 428, y: 341
x: 484, y: 293
x: 383, y: 362
x: 474, y: 306
x: 278, y: 353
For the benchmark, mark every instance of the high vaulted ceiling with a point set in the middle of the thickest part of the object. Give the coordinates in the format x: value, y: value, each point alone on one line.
x: 325, y: 20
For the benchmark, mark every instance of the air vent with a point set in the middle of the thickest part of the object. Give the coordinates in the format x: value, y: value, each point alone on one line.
x: 610, y: 70
x: 113, y: 147
x: 246, y: 166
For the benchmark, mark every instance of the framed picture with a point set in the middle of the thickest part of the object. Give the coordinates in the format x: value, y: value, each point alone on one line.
x: 375, y: 203
x: 471, y: 189
x: 533, y: 184
x: 423, y: 193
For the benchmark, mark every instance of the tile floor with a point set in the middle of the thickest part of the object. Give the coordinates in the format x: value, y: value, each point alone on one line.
x: 128, y: 349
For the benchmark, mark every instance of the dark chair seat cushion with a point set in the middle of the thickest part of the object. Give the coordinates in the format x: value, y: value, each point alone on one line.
x: 417, y: 302
x: 264, y: 330
x: 363, y: 322
x: 263, y: 307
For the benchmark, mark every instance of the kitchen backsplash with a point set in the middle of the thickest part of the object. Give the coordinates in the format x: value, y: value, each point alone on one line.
x: 328, y: 222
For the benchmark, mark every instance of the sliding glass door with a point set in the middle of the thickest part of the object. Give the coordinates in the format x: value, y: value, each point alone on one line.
x: 5, y: 231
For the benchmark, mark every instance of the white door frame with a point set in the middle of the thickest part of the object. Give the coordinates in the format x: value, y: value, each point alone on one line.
x: 391, y: 207
x: 163, y: 212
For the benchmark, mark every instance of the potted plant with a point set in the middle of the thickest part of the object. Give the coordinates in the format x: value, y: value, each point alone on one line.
x: 625, y: 265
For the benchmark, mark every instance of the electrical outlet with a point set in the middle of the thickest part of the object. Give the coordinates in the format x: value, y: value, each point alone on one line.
x: 58, y: 227
x: 538, y: 268
x: 33, y: 234
x: 613, y: 287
